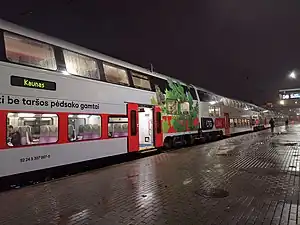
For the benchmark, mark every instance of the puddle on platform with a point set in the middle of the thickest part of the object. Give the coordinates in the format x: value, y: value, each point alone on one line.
x: 212, y: 193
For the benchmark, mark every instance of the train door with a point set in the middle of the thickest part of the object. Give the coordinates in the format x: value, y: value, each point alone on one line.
x: 133, y: 131
x: 146, y: 136
x: 227, y: 124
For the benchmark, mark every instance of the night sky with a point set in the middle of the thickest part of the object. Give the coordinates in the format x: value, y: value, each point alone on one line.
x: 236, y: 48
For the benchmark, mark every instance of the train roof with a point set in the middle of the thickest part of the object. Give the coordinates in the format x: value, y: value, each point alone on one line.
x: 290, y: 90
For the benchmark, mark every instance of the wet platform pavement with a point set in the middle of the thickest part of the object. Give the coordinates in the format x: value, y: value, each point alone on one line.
x: 254, y: 181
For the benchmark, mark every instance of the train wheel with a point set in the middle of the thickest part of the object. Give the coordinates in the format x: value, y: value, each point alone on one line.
x: 221, y: 136
x: 189, y: 139
x: 207, y: 138
x: 168, y: 143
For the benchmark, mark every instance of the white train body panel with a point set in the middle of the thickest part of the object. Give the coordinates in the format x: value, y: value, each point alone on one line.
x: 62, y: 154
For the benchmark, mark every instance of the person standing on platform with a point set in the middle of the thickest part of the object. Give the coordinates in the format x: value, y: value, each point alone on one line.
x: 272, y: 124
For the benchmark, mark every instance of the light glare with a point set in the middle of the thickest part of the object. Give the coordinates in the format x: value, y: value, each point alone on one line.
x: 292, y: 75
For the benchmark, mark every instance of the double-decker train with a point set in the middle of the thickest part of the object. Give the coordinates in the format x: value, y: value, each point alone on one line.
x: 62, y: 104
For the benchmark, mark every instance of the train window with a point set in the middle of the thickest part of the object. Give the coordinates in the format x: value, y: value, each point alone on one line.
x: 185, y: 88
x: 117, y: 126
x: 29, y: 52
x: 81, y: 65
x: 172, y: 107
x: 185, y: 108
x: 115, y: 75
x: 239, y: 122
x: 217, y: 111
x: 214, y: 111
x: 160, y: 84
x: 31, y: 129
x: 191, y: 90
x: 204, y: 96
x: 193, y: 93
x: 234, y: 122
x: 227, y: 102
x: 231, y: 123
x: 211, y: 111
x: 84, y: 127
x: 141, y: 81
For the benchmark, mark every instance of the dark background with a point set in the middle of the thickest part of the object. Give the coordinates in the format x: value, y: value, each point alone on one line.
x: 236, y: 48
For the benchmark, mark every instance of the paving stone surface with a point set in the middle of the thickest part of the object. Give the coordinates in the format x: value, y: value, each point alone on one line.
x: 257, y: 183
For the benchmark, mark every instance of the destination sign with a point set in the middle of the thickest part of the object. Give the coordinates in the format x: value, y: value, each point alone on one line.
x: 285, y: 96
x: 295, y: 95
x: 32, y: 83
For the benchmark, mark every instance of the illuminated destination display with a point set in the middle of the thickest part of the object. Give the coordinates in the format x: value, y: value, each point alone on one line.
x: 32, y: 83
x: 285, y: 96
x: 295, y: 95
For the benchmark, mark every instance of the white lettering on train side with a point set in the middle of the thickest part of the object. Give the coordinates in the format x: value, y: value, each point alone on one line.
x: 47, y: 103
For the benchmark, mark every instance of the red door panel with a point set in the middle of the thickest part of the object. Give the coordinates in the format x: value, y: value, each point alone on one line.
x: 133, y: 127
x: 220, y: 123
x: 157, y: 127
x: 227, y: 124
x: 3, y: 129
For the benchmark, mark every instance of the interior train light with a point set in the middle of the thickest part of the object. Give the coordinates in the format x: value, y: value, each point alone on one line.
x: 82, y: 116
x: 26, y: 114
x: 212, y: 102
x: 30, y: 119
x: 49, y: 115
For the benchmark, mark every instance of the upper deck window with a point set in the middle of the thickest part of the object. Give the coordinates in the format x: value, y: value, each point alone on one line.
x: 81, y: 65
x: 160, y: 84
x: 204, y: 96
x: 115, y: 75
x: 141, y: 81
x: 29, y: 52
x: 193, y: 93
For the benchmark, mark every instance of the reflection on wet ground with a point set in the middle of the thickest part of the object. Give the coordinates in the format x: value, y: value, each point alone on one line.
x: 254, y: 180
